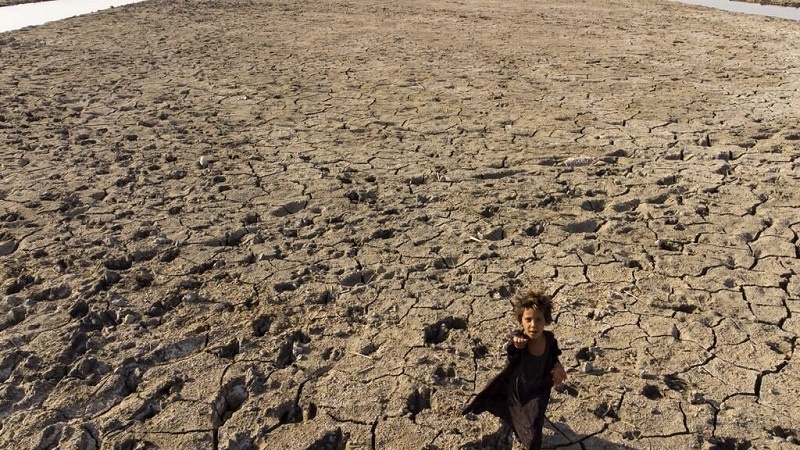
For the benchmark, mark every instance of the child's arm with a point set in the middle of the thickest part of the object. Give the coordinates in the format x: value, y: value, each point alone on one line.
x: 515, y: 341
x: 559, y: 374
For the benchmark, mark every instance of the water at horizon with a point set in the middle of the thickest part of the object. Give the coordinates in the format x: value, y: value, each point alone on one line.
x: 782, y: 12
x: 27, y: 14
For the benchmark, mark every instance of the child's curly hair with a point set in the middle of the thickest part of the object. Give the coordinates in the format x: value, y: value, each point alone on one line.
x: 534, y: 299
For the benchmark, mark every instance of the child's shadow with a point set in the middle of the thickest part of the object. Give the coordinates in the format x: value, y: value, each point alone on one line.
x: 499, y: 440
x: 562, y: 437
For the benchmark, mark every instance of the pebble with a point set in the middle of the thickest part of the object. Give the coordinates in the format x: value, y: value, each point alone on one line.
x: 119, y: 302
x: 16, y: 314
x: 111, y: 277
x: 129, y: 319
x: 578, y: 161
x: 203, y: 161
x: 299, y: 351
x: 587, y: 367
x: 8, y: 247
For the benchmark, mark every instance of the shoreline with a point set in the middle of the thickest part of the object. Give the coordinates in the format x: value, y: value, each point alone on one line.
x: 18, y: 2
x: 787, y: 3
x: 738, y: 6
x: 219, y: 233
x: 784, y: 3
x: 30, y: 14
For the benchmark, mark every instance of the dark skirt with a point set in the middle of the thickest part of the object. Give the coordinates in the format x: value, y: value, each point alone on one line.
x: 524, y: 415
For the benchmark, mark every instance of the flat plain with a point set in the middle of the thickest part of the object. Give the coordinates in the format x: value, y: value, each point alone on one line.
x: 263, y: 224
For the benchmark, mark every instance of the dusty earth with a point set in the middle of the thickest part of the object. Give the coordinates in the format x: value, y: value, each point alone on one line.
x: 256, y: 224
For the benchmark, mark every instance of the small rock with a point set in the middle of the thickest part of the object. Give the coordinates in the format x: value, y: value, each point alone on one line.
x: 495, y: 235
x: 367, y: 348
x: 60, y: 266
x: 417, y: 180
x: 8, y: 247
x: 669, y: 245
x: 696, y: 398
x: 79, y: 309
x: 651, y: 392
x: 578, y: 161
x: 16, y: 315
x: 203, y: 161
x: 587, y: 367
x: 129, y: 319
x: 631, y: 435
x: 251, y: 218
x: 124, y: 263
x: 114, y: 298
x: 111, y: 277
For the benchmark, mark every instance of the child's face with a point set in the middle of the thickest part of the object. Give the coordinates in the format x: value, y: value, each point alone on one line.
x: 533, y: 323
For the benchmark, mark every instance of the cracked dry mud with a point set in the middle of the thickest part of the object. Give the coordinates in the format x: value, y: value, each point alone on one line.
x: 255, y: 224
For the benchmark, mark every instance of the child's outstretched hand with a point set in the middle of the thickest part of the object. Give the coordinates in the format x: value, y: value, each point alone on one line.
x: 559, y: 375
x: 518, y: 339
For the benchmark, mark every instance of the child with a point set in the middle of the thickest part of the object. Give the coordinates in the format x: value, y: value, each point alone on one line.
x: 519, y: 394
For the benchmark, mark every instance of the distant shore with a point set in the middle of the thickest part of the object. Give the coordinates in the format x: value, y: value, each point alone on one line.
x: 788, y: 3
x: 17, y: 2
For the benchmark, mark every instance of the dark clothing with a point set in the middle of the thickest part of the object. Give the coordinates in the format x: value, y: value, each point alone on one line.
x: 519, y: 394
